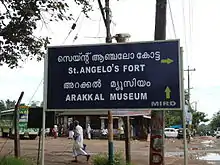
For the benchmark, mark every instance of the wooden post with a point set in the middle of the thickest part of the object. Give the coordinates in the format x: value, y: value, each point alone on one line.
x: 39, y: 147
x: 127, y: 140
x: 110, y: 118
x: 110, y: 138
x: 17, y: 150
x: 157, y: 117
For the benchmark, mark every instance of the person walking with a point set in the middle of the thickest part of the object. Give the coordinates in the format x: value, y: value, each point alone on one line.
x: 121, y: 132
x: 55, y: 131
x: 71, y: 132
x: 78, y: 146
x: 132, y: 131
x: 89, y: 129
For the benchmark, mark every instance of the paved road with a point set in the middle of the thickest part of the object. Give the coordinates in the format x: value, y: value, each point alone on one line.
x: 58, y: 151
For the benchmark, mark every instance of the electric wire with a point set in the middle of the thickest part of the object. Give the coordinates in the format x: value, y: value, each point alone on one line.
x: 184, y: 29
x: 64, y: 42
x: 191, y: 28
x: 172, y: 20
x: 169, y: 31
x: 99, y: 28
x: 77, y: 34
x: 71, y: 28
x: 75, y: 38
x: 79, y: 29
x: 36, y: 91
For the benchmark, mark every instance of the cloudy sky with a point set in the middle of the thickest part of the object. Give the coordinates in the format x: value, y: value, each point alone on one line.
x: 193, y: 22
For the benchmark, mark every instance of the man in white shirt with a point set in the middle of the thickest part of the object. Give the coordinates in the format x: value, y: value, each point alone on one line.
x: 121, y: 132
x: 71, y: 132
x: 89, y: 129
x: 78, y: 147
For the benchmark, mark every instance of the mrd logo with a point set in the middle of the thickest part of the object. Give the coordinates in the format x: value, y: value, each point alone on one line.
x: 163, y: 103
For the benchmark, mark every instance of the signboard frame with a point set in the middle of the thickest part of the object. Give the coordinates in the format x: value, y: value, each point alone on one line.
x: 180, y: 71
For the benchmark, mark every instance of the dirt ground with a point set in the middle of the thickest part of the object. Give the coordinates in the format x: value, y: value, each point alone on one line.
x: 58, y: 151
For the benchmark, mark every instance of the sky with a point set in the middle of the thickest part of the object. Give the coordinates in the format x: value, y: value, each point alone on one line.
x: 191, y: 21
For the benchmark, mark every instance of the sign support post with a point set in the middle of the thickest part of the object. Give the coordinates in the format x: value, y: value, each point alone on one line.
x: 43, y: 136
x: 110, y: 117
x: 184, y: 114
x: 110, y: 138
x: 45, y: 92
x: 157, y: 119
x: 17, y: 147
x: 127, y: 140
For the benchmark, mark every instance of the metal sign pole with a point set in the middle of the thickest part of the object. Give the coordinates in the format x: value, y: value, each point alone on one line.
x: 184, y: 113
x: 44, y: 108
x: 43, y: 136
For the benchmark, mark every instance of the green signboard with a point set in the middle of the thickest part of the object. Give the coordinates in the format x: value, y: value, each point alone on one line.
x: 23, y: 121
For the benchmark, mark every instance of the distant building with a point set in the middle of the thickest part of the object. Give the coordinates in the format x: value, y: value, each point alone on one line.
x: 99, y: 120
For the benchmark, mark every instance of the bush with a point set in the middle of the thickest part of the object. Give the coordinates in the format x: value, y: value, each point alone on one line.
x: 13, y: 161
x: 102, y: 159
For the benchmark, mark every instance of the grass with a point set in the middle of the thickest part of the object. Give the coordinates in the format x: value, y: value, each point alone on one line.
x: 13, y: 161
x: 102, y: 159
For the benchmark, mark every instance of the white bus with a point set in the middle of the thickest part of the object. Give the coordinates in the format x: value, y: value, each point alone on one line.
x: 6, y: 124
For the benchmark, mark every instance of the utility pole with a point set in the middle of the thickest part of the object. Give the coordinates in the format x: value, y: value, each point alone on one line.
x: 189, y: 93
x: 157, y: 117
x: 120, y: 38
x: 108, y: 22
x: 189, y: 126
x: 17, y: 149
x: 110, y: 117
x: 189, y: 70
x: 195, y: 105
x: 184, y: 120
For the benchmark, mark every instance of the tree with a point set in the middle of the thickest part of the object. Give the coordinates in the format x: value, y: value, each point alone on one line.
x: 173, y: 118
x: 215, y: 121
x: 18, y: 20
x: 203, y: 129
x: 198, y: 117
x: 10, y: 104
x: 35, y: 103
x: 2, y: 105
x: 42, y: 104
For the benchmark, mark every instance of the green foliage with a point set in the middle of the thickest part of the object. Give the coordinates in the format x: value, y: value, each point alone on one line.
x: 2, y: 105
x: 203, y: 128
x: 102, y: 159
x: 18, y: 20
x: 173, y: 118
x: 10, y: 104
x: 215, y: 121
x: 13, y: 161
x: 35, y: 103
x: 198, y: 117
